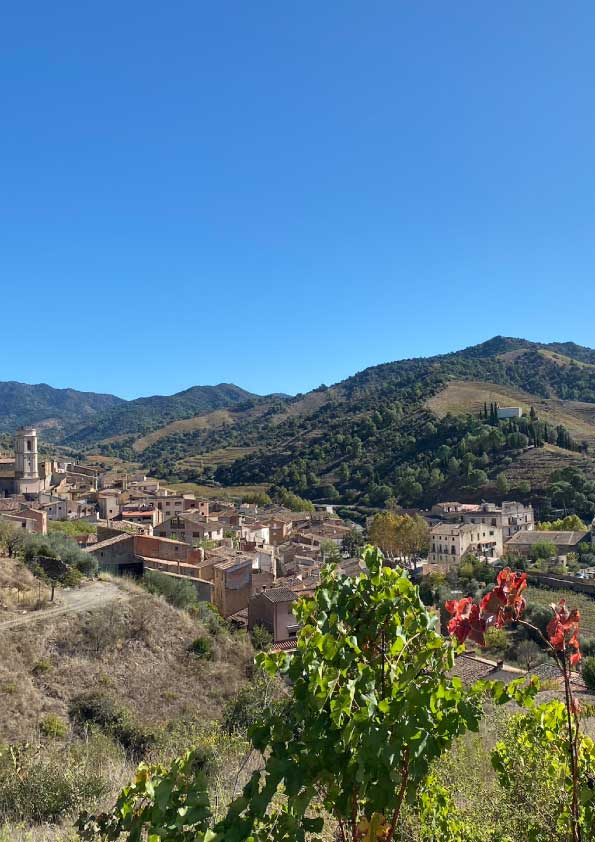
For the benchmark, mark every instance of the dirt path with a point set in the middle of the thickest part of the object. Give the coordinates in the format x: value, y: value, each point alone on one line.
x: 73, y: 602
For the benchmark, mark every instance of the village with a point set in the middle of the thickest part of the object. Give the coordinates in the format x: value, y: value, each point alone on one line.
x: 251, y: 562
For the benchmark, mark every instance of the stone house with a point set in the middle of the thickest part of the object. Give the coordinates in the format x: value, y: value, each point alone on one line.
x: 272, y: 608
x: 451, y: 542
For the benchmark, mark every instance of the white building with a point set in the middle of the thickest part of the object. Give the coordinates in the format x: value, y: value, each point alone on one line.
x: 505, y: 412
x: 451, y: 542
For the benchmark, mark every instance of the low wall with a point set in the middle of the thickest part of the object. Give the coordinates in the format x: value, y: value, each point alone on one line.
x: 562, y: 582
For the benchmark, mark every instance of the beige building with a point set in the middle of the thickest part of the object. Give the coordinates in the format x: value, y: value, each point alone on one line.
x: 143, y: 515
x: 451, y: 542
x: 510, y: 517
x: 30, y: 520
x: 191, y: 528
x: 233, y: 585
x: 565, y: 542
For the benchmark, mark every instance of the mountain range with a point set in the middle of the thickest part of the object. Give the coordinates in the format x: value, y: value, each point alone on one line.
x: 409, y: 429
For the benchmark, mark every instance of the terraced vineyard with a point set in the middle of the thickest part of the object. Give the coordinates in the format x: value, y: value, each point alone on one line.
x: 584, y: 603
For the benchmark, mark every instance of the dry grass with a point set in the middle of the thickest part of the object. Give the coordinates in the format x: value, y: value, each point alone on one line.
x: 208, y: 421
x: 138, y: 650
x: 562, y: 359
x: 469, y: 396
x: 217, y: 493
x: 222, y: 456
x: 537, y: 465
x: 19, y: 590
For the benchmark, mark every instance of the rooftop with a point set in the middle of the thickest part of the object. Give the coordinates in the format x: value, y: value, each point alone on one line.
x: 279, y: 595
x: 537, y: 537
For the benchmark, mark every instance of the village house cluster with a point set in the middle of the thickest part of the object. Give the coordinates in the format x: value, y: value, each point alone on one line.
x: 251, y: 562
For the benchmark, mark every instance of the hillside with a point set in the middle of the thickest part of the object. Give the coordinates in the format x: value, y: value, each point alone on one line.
x: 73, y: 418
x: 136, y: 649
x: 408, y: 429
x: 86, y: 695
x: 50, y: 409
x: 140, y: 416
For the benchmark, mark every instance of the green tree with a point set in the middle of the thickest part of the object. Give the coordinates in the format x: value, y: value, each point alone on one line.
x: 370, y: 709
x: 261, y: 638
x: 11, y: 539
x: 570, y: 523
x: 352, y: 542
x: 543, y: 550
x: 502, y: 484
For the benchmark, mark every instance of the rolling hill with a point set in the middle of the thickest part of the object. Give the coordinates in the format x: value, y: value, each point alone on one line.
x: 409, y: 430
x: 51, y: 409
x: 141, y: 416
x: 70, y: 417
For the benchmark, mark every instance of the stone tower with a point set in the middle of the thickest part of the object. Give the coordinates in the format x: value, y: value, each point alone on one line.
x: 25, y: 447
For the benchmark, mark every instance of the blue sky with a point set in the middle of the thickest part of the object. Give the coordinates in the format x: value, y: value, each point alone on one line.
x: 281, y: 194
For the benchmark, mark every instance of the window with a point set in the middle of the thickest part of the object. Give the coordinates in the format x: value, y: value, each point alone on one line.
x: 28, y: 445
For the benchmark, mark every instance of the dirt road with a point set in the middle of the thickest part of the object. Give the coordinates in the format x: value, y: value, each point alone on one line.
x: 74, y: 601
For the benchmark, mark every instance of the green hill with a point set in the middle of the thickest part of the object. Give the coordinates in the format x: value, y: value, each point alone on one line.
x: 51, y: 409
x: 409, y: 429
x: 143, y: 415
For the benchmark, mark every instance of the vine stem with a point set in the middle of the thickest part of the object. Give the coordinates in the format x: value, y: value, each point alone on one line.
x: 573, y: 733
x: 401, y: 795
x: 572, y: 738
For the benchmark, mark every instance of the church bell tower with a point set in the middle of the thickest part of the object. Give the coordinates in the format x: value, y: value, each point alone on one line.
x: 25, y: 447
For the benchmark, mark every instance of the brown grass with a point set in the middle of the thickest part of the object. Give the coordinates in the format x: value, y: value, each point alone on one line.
x: 215, y: 493
x: 138, y: 650
x: 19, y: 589
x: 469, y: 396
x: 208, y: 421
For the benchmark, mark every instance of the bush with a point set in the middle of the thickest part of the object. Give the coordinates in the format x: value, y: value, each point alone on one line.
x: 41, y: 667
x: 53, y: 726
x: 210, y: 617
x: 201, y: 647
x: 261, y: 638
x: 38, y: 786
x: 178, y: 592
x: 589, y: 672
x: 114, y: 719
x: 250, y: 704
x: 58, y: 545
x: 496, y: 640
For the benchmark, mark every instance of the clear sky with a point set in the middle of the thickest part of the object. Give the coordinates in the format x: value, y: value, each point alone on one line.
x: 280, y: 194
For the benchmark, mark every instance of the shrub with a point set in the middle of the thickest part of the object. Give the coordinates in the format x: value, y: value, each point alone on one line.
x: 261, y: 638
x: 201, y: 647
x: 178, y: 592
x: 114, y: 719
x: 53, y: 726
x: 210, y: 617
x: 496, y: 640
x: 250, y: 704
x: 41, y: 667
x: 58, y: 545
x: 38, y: 786
x: 589, y: 672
